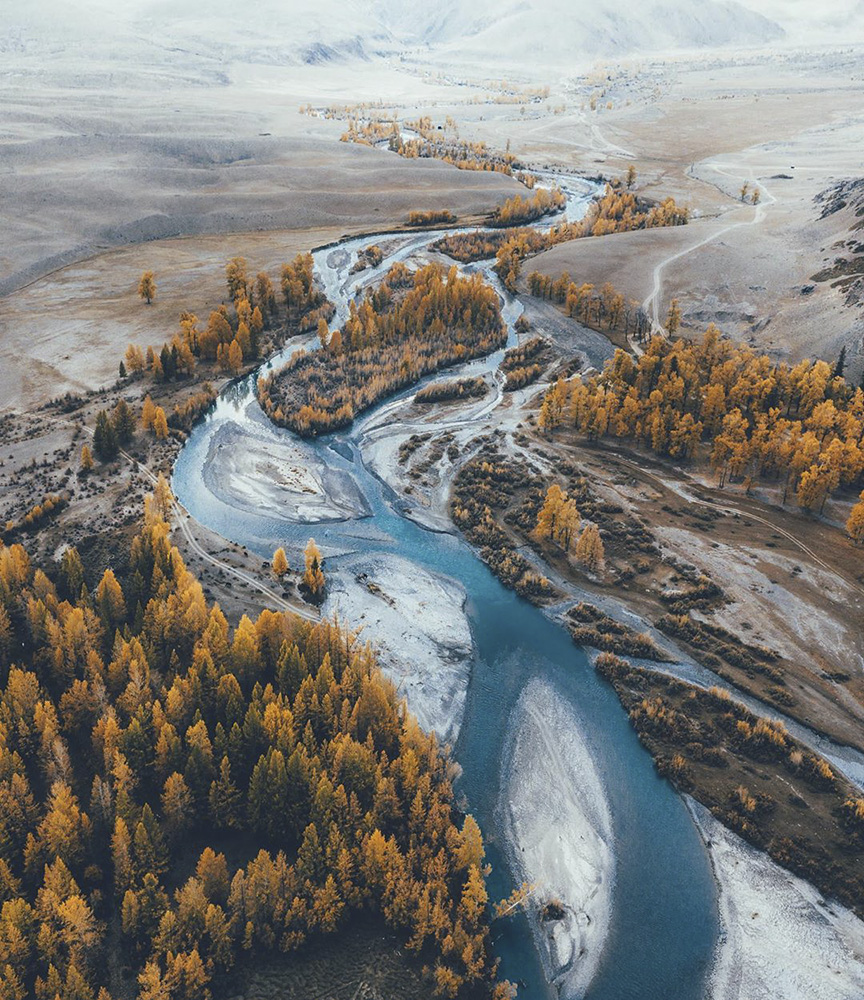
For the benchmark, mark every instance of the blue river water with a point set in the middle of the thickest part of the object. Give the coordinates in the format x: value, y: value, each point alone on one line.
x: 664, y: 921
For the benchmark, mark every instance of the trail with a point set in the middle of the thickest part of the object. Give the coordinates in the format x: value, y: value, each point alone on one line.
x: 730, y: 508
x: 182, y: 518
x: 651, y: 305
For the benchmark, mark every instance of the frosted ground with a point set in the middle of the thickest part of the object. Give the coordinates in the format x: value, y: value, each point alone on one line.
x: 150, y: 128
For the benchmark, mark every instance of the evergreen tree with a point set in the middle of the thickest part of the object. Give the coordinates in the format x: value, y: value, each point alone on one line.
x: 104, y: 438
x: 840, y: 365
x: 123, y: 421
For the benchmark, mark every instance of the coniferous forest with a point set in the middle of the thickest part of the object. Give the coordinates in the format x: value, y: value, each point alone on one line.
x: 177, y: 798
x: 409, y: 326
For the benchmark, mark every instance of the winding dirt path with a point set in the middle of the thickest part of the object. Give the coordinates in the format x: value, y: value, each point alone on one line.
x: 651, y: 305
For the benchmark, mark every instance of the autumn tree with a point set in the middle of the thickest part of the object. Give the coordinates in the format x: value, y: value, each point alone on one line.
x: 855, y: 522
x: 160, y: 423
x: 235, y: 357
x: 86, y: 459
x: 547, y: 518
x: 630, y: 179
x: 589, y: 548
x: 147, y: 287
x: 110, y: 601
x: 236, y: 277
x: 280, y: 562
x: 313, y: 577
x: 148, y: 413
x: 265, y: 297
x: 134, y: 359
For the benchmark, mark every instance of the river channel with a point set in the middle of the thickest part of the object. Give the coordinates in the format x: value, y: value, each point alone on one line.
x: 663, y: 924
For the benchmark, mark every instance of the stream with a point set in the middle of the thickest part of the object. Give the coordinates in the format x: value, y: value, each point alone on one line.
x: 663, y: 925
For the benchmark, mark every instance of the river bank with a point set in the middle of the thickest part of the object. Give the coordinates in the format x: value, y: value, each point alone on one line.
x: 781, y: 940
x: 504, y: 632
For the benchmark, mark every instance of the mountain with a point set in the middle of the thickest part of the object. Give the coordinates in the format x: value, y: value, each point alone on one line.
x: 805, y: 22
x: 561, y: 31
x: 515, y: 32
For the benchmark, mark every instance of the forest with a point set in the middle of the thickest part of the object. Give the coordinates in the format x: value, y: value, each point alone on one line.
x: 439, y: 143
x: 234, y: 336
x: 617, y: 211
x: 516, y: 211
x: 178, y: 797
x: 410, y: 325
x: 721, y: 404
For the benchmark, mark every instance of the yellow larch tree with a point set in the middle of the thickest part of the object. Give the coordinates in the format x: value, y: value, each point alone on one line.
x: 547, y: 518
x: 855, y: 523
x: 589, y: 548
x: 160, y: 423
x: 147, y: 287
x: 134, y: 360
x: 313, y: 577
x: 280, y: 562
x: 148, y: 414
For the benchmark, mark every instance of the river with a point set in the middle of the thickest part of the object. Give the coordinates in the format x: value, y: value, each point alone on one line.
x: 664, y: 921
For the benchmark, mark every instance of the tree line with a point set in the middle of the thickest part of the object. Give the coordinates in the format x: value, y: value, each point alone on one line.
x: 617, y: 211
x: 720, y: 403
x: 437, y: 143
x: 233, y: 335
x: 137, y: 728
x: 407, y: 327
x: 600, y: 309
x: 516, y: 211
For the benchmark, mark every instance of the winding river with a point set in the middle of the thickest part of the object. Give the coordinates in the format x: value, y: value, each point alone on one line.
x: 664, y: 923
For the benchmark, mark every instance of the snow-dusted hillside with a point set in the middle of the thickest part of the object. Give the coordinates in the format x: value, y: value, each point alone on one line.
x: 806, y: 22
x: 190, y: 34
x: 187, y: 35
x: 561, y: 31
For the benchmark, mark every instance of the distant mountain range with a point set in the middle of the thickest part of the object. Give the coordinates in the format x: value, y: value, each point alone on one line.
x: 554, y: 34
x: 564, y: 30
